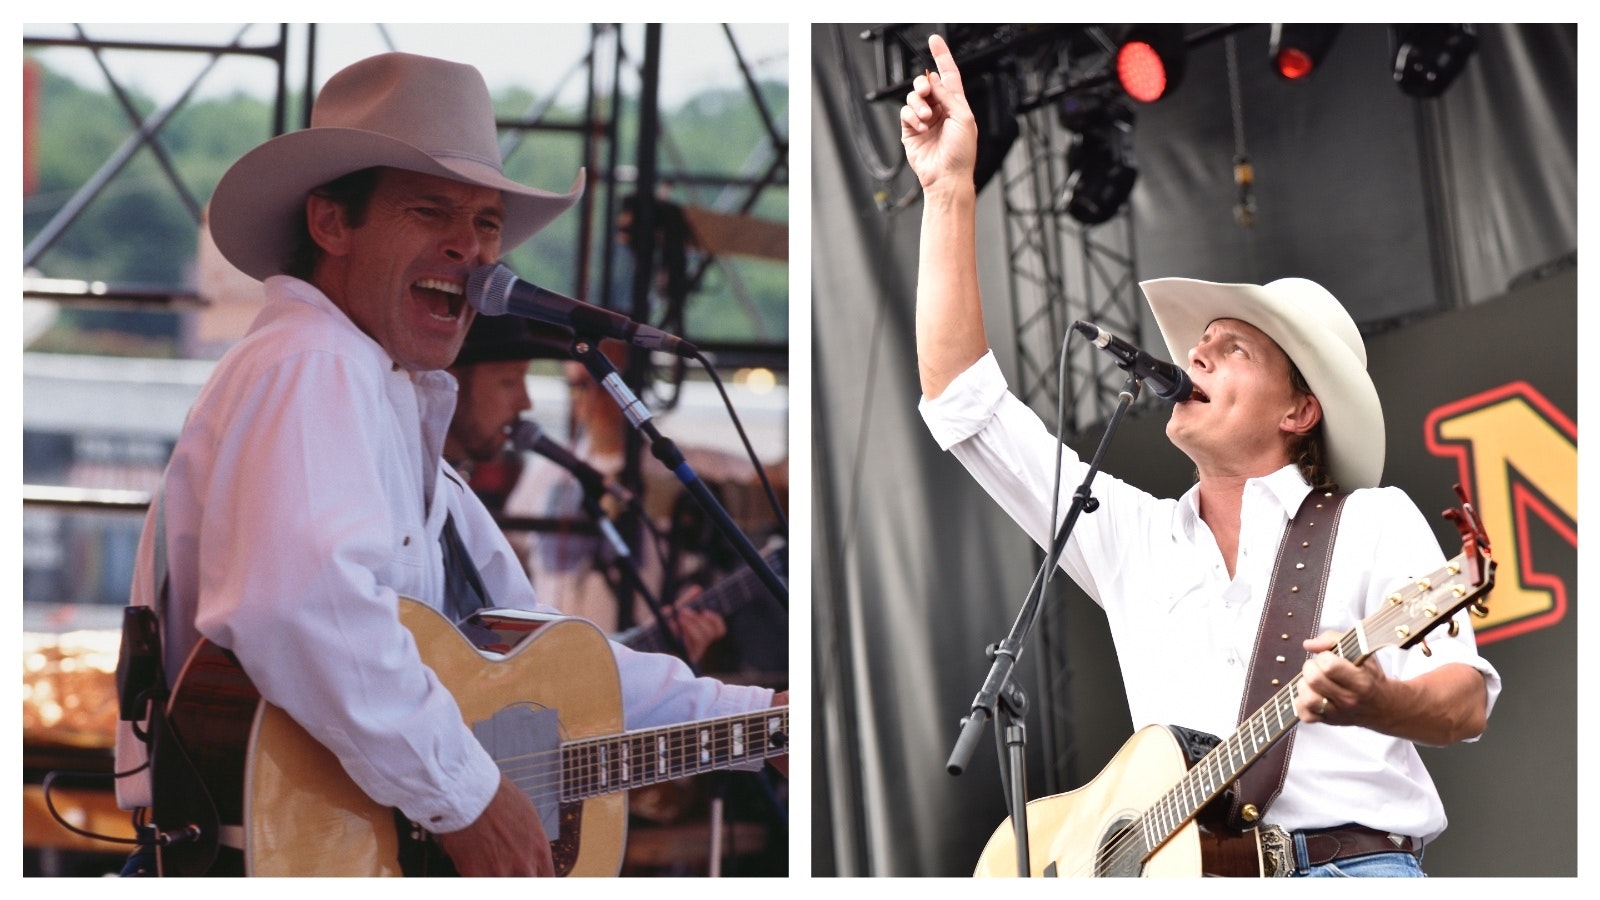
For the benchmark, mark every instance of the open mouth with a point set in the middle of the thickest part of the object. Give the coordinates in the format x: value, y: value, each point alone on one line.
x: 444, y: 299
x: 1199, y: 395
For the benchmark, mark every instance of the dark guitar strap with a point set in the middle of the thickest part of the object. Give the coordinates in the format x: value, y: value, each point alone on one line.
x: 464, y: 593
x: 1291, y: 614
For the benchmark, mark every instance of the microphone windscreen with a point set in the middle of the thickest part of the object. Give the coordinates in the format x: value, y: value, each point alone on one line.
x: 526, y: 434
x: 489, y: 289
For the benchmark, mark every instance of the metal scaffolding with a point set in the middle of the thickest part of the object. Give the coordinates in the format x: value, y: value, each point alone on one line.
x: 599, y: 127
x: 1059, y: 272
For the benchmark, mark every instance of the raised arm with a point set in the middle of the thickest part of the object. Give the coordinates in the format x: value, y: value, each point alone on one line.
x: 940, y: 137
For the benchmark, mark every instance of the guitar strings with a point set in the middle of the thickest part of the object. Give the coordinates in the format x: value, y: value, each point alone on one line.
x: 581, y: 774
x: 1137, y: 837
x: 593, y: 766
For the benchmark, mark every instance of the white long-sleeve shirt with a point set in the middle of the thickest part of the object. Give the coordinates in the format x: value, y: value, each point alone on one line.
x: 305, y: 496
x: 1184, y: 631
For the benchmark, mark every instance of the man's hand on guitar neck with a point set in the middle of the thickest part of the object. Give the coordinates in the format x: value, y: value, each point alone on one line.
x: 1435, y: 709
x: 697, y: 628
x: 506, y: 840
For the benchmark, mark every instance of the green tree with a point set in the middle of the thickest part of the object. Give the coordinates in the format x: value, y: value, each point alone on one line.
x: 139, y: 229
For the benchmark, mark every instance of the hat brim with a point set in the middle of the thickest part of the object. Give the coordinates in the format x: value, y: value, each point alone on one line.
x: 257, y: 210
x: 538, y: 341
x: 1352, y: 415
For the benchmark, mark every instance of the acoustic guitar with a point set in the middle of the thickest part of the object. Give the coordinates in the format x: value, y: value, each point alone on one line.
x: 1141, y: 815
x: 543, y: 696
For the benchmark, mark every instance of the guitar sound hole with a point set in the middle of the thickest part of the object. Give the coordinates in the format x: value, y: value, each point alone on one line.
x: 1119, y: 853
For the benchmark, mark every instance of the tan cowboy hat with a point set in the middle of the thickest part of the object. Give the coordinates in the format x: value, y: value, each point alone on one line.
x: 395, y: 109
x: 1315, y: 332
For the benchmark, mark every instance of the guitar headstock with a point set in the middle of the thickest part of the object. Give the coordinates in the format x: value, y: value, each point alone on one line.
x: 1474, y: 540
x: 1429, y: 602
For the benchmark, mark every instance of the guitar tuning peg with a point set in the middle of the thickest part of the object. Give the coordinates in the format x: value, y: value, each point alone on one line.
x: 1455, y: 627
x: 1426, y: 650
x: 1480, y: 609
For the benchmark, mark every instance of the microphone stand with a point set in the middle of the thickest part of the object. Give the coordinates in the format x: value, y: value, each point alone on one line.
x: 585, y: 349
x: 628, y: 571
x: 1002, y: 699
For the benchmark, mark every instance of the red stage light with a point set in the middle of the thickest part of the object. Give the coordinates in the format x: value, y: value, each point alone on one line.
x: 1294, y: 64
x: 1150, y: 61
x: 1297, y: 49
x: 1141, y: 71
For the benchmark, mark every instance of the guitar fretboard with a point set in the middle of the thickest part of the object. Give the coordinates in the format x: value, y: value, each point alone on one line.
x: 635, y: 759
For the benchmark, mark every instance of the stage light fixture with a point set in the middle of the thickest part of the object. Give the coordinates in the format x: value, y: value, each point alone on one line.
x: 1296, y: 50
x: 1150, y: 61
x: 1429, y: 57
x: 1100, y: 168
x: 989, y: 95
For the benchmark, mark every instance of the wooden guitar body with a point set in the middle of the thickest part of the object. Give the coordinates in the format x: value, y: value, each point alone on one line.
x: 1080, y: 833
x: 303, y: 816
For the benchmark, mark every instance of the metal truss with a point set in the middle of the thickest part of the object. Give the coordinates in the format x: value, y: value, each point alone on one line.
x: 602, y: 64
x: 147, y: 131
x: 1059, y: 272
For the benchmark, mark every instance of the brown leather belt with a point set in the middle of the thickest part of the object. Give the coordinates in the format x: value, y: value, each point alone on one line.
x: 1334, y: 844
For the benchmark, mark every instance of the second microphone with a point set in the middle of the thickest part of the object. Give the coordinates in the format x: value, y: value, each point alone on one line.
x: 528, y: 436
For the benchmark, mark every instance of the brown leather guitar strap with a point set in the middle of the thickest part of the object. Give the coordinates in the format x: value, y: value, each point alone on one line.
x: 1293, y: 609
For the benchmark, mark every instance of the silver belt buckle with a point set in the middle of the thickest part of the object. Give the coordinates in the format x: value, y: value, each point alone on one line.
x: 1277, y: 852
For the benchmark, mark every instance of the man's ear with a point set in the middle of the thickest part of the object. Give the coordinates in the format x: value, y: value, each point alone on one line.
x: 325, y: 219
x: 1303, y: 415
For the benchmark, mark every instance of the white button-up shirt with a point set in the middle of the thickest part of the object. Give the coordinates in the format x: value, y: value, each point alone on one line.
x: 306, y: 495
x: 1185, y: 632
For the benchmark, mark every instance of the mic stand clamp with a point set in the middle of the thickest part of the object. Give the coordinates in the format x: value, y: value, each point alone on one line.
x: 999, y: 695
x: 585, y: 349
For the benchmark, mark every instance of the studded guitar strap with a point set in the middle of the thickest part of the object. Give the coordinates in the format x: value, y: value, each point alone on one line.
x: 1293, y: 609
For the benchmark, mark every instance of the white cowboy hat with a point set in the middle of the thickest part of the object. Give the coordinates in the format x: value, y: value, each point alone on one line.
x: 395, y: 109
x: 1317, y: 334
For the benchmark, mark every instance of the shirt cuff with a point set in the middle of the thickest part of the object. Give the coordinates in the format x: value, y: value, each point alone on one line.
x: 967, y: 404
x: 465, y: 798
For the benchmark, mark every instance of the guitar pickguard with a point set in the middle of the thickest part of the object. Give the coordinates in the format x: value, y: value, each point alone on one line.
x: 525, y: 738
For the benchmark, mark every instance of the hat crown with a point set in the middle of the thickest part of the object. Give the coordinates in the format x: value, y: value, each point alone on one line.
x: 440, y: 107
x: 1315, y: 301
x: 1315, y: 332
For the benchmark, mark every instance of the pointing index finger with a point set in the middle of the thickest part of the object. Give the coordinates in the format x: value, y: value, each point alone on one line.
x: 949, y: 75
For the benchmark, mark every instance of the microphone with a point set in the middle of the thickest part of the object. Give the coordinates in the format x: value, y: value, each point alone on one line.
x: 527, y: 435
x: 495, y: 290
x: 1166, y: 380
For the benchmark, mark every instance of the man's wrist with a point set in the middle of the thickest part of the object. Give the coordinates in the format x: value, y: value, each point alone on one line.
x: 951, y: 193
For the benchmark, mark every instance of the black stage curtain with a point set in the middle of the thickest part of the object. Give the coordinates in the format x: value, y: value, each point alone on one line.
x: 1415, y: 213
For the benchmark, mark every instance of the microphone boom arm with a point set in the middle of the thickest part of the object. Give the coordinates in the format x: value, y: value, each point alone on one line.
x: 586, y: 350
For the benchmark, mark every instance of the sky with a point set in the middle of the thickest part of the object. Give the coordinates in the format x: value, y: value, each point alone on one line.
x: 539, y: 57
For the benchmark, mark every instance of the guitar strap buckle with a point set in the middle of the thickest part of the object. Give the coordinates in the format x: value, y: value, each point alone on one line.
x: 1277, y: 852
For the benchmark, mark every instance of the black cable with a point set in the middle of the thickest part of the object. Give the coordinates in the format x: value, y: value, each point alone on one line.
x: 49, y: 783
x: 880, y: 170
x: 761, y: 472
